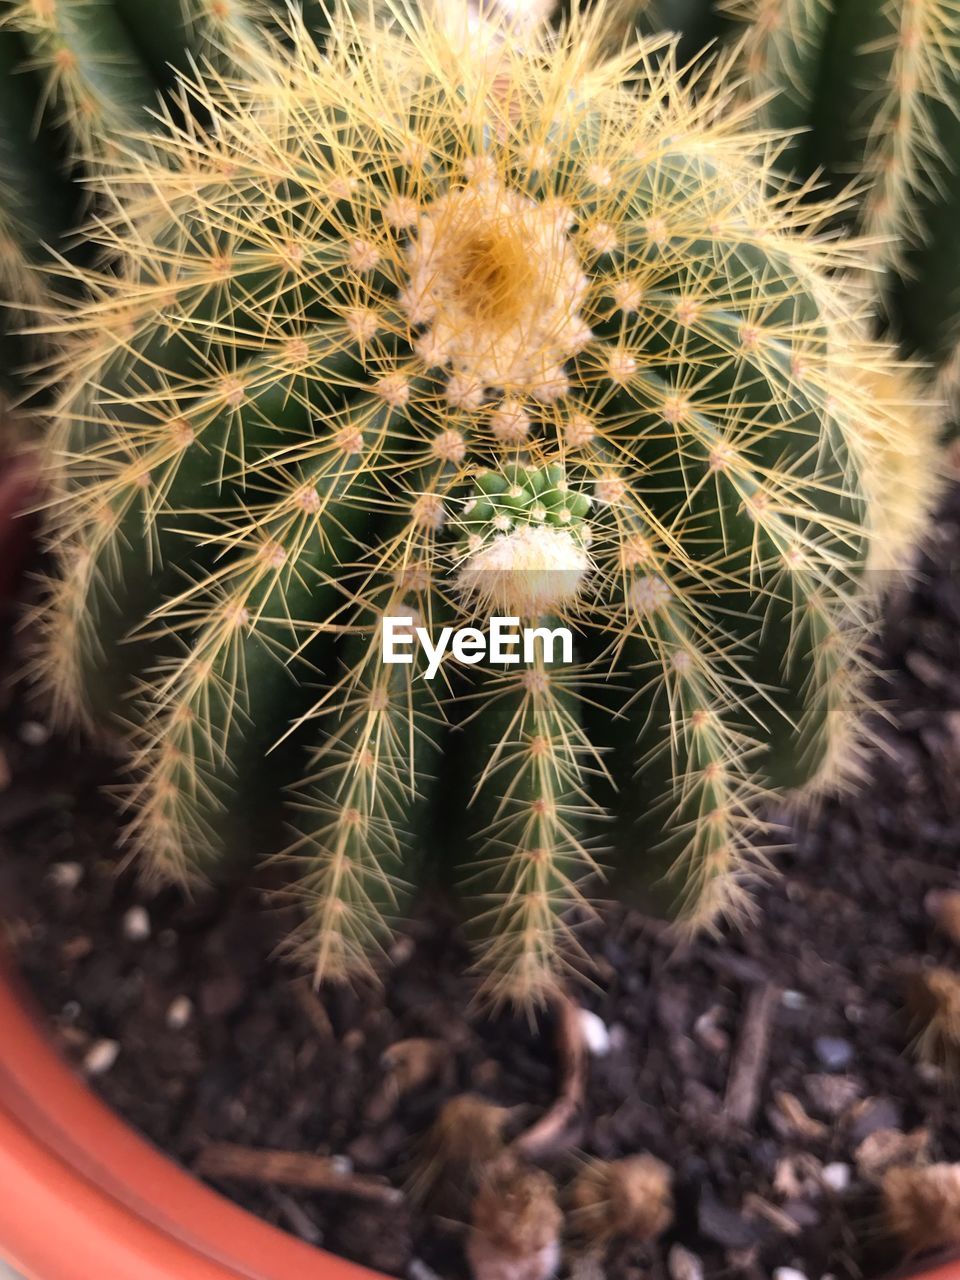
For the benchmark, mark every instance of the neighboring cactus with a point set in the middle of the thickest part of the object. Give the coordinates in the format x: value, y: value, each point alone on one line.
x: 875, y: 90
x: 102, y: 62
x: 431, y: 330
x: 78, y: 81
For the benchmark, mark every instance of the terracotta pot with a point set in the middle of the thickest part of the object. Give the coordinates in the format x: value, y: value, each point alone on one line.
x: 81, y: 1195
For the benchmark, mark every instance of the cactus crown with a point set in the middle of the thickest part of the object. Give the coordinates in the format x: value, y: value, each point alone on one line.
x: 419, y: 329
x: 524, y: 549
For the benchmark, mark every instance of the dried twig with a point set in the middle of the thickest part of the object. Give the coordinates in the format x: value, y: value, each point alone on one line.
x: 755, y: 1206
x: 750, y: 1056
x: 549, y: 1130
x: 292, y: 1169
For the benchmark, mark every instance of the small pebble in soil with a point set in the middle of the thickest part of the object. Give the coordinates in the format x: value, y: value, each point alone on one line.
x: 706, y: 1031
x: 871, y: 1115
x: 66, y: 875
x: 295, y: 1217
x: 596, y: 1035
x: 723, y: 1225
x: 136, y: 925
x: 788, y: 1273
x: 887, y: 1148
x: 793, y: 999
x: 930, y: 1073
x: 832, y: 1094
x: 798, y: 1176
x: 33, y: 733
x: 179, y: 1012
x: 684, y: 1265
x: 836, y: 1176
x: 100, y: 1057
x: 418, y: 1270
x: 834, y: 1052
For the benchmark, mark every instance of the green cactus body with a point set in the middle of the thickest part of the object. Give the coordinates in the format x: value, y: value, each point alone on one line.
x: 431, y: 335
x: 79, y: 79
x: 874, y: 86
x: 34, y: 206
x: 96, y: 85
x: 34, y: 197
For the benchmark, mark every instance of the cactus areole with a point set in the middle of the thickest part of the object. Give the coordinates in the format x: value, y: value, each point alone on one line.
x: 417, y: 337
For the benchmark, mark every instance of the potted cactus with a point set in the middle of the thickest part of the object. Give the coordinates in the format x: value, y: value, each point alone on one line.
x: 467, y: 455
x: 541, y: 363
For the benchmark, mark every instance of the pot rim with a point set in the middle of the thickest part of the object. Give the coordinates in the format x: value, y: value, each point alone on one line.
x: 84, y: 1194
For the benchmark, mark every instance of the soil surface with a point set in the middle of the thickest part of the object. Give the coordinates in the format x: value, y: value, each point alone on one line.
x: 185, y: 1021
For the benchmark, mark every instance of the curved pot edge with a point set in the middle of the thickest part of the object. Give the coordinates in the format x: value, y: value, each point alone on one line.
x: 84, y: 1195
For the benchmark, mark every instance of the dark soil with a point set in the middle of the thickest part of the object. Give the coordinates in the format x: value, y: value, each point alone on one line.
x: 217, y: 1041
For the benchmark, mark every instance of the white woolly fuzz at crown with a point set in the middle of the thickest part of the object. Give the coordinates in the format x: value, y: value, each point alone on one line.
x: 526, y: 573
